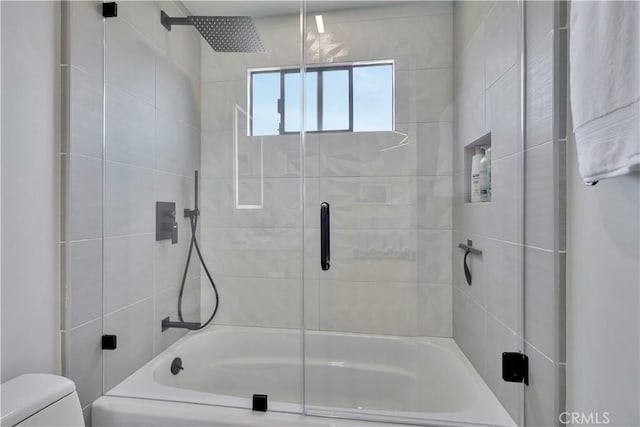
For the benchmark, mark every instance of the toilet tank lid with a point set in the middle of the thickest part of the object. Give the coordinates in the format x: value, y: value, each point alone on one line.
x: 27, y: 394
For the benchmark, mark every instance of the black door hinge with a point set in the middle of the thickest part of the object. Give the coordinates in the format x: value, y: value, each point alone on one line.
x: 109, y: 342
x: 515, y: 367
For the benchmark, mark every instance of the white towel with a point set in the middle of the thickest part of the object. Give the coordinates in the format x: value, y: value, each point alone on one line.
x: 605, y: 90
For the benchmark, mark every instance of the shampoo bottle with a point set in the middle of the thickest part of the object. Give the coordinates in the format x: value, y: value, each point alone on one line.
x: 475, y: 175
x: 487, y: 154
x: 484, y: 178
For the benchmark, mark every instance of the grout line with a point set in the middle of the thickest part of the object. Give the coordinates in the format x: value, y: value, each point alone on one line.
x: 538, y: 351
x: 539, y: 249
x: 482, y: 236
x: 144, y: 168
x: 71, y: 329
x: 82, y: 156
x: 488, y: 313
x: 118, y: 310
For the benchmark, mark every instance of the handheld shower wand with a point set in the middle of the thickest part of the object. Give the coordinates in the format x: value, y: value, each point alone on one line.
x: 193, y: 215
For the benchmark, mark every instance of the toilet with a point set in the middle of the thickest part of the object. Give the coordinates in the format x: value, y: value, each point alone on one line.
x: 40, y: 400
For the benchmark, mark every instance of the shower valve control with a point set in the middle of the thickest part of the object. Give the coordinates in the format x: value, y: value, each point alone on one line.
x: 166, y: 225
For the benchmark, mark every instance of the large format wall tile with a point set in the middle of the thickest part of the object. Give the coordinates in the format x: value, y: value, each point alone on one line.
x: 539, y: 396
x: 141, y: 15
x: 540, y: 295
x: 170, y: 260
x: 540, y: 87
x: 379, y: 308
x: 253, y: 252
x: 434, y: 256
x: 415, y: 42
x: 281, y: 205
x: 177, y: 145
x: 145, y: 155
x: 128, y: 270
x: 499, y: 338
x: 130, y: 61
x: 487, y: 36
x: 433, y: 310
x: 388, y: 225
x: 423, y: 96
x: 177, y: 94
x: 85, y: 360
x: 370, y: 202
x: 433, y: 148
x: 84, y: 275
x: 128, y: 200
x: 85, y: 198
x: 434, y: 202
x: 262, y: 302
x: 540, y: 196
x: 82, y: 40
x: 369, y: 255
x: 502, y: 114
x: 501, y: 39
x: 85, y: 109
x: 129, y: 138
x: 469, y: 329
x: 363, y: 154
x: 134, y: 328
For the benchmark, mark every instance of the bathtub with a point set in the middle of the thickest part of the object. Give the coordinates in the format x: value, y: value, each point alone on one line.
x: 350, y: 380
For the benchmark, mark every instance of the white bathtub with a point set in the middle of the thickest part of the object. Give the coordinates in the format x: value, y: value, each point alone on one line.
x: 422, y: 381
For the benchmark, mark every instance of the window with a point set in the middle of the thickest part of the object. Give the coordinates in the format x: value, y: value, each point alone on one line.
x: 341, y: 98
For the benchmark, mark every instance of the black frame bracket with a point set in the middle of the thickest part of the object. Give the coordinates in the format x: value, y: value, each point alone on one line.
x: 259, y: 402
x: 110, y: 9
x: 109, y: 342
x: 515, y: 367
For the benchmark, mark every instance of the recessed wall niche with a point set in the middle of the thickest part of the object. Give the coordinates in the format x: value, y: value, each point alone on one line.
x: 483, y: 142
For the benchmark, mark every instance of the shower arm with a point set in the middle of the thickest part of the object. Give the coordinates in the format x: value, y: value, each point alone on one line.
x: 168, y: 21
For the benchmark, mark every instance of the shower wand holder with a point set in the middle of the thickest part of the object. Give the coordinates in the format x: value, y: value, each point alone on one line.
x: 190, y: 213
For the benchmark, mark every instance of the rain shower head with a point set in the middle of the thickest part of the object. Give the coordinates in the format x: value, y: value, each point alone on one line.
x: 223, y: 33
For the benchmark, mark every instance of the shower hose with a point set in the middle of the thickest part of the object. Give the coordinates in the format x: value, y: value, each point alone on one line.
x: 193, y: 220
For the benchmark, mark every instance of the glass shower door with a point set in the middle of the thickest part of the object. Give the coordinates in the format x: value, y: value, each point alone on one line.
x: 177, y: 103
x: 393, y: 331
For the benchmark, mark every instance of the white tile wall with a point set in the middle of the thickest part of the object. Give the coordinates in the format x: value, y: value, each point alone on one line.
x: 130, y: 136
x: 151, y: 89
x: 84, y: 298
x: 84, y: 197
x: 391, y: 210
x: 85, y: 107
x: 488, y: 315
x: 128, y: 200
x: 85, y: 361
x: 133, y: 325
x: 128, y: 270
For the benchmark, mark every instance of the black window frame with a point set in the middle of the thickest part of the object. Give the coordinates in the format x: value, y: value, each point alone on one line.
x: 320, y: 69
